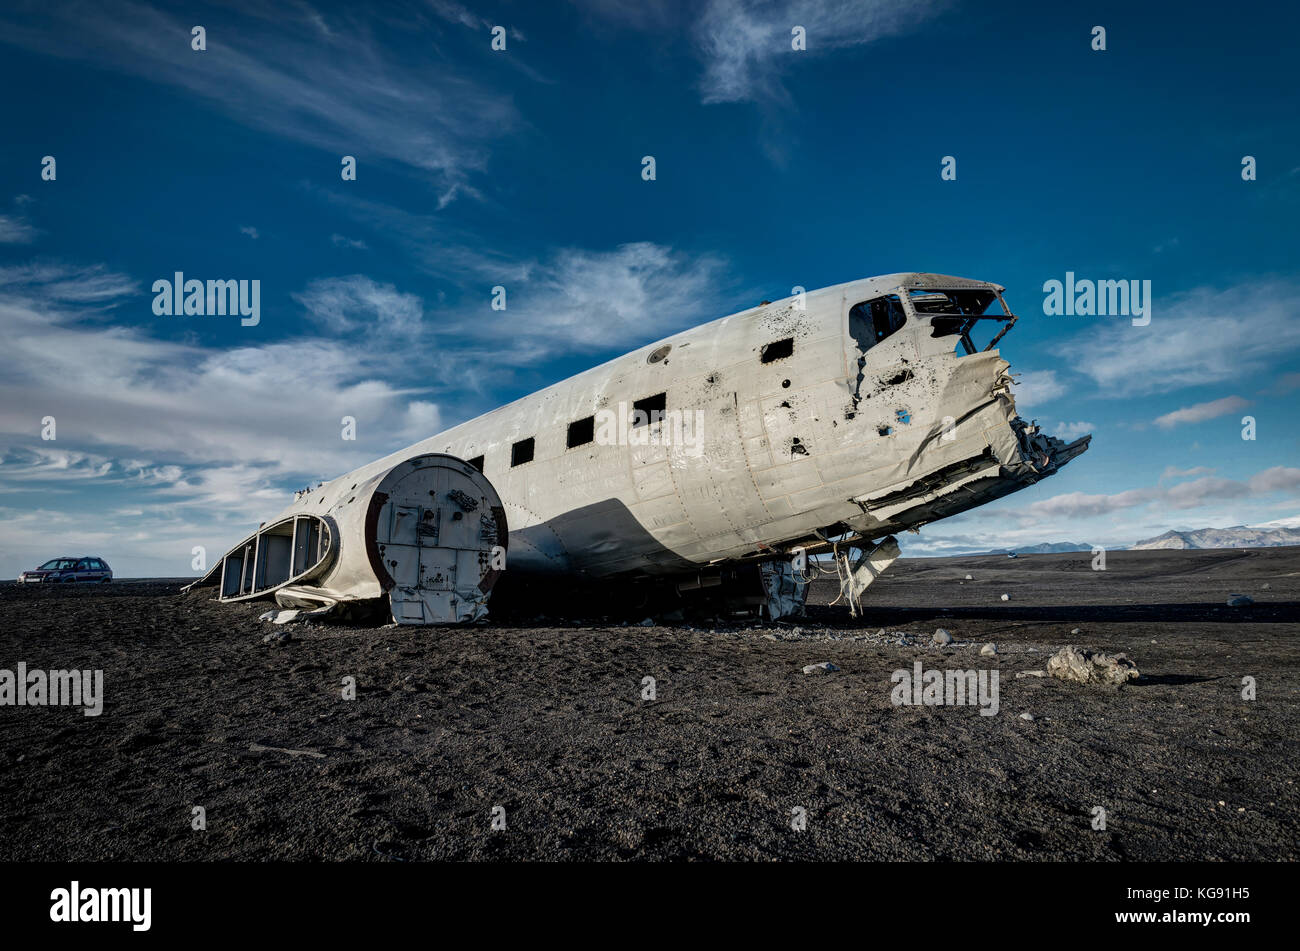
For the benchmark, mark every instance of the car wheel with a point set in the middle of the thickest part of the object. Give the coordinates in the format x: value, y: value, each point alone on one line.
x: 105, y: 580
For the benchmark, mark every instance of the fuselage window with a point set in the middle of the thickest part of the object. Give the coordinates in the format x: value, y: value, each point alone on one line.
x: 582, y: 431
x: 873, y: 320
x: 649, y: 410
x: 521, y: 452
x: 777, y: 350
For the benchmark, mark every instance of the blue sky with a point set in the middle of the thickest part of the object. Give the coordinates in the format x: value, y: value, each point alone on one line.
x: 522, y: 168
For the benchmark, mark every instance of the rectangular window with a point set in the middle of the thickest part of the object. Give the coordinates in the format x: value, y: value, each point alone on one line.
x: 476, y: 462
x: 873, y: 320
x: 649, y: 410
x: 582, y: 431
x: 521, y: 452
x: 778, y: 350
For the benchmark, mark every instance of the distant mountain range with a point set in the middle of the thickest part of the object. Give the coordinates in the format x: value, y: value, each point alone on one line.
x: 1239, y: 536
x: 1045, y: 548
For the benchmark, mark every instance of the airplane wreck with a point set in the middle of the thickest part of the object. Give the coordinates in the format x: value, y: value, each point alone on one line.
x: 819, y: 425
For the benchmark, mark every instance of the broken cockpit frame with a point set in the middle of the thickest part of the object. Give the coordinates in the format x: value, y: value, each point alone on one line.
x: 955, y: 312
x: 969, y: 445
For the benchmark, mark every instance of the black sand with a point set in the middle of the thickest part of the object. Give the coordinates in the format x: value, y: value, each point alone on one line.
x: 546, y: 720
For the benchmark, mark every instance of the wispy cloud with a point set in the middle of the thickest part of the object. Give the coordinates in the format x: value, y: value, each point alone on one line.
x: 345, y: 305
x: 1205, y: 336
x: 356, y: 244
x: 1036, y: 388
x: 101, y: 378
x: 1184, y: 495
x: 746, y: 46
x: 1200, y: 412
x: 1173, y: 472
x: 339, y: 90
x: 633, y: 294
x: 16, y: 230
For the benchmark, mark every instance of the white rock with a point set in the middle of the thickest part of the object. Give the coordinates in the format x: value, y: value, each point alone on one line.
x: 989, y: 650
x: 1075, y: 631
x: 941, y: 637
x: 1006, y: 597
x: 826, y: 666
x: 969, y: 578
x: 1027, y: 716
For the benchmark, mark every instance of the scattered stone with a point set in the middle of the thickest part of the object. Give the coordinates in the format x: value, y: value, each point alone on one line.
x: 826, y: 667
x: 772, y: 637
x: 278, y: 637
x: 1239, y: 600
x: 969, y: 578
x: 1265, y: 586
x: 941, y: 637
x: 989, y: 650
x: 648, y: 622
x: 1085, y: 666
x: 1006, y: 597
x: 1075, y: 630
x: 1027, y: 716
x: 1022, y: 674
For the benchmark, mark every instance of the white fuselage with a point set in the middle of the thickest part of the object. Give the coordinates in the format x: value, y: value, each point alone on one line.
x: 833, y: 438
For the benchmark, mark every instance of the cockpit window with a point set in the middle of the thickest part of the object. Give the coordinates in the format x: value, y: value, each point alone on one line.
x: 955, y: 313
x: 873, y: 320
x: 968, y: 303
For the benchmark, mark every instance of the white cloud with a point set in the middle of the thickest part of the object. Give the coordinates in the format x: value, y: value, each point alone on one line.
x: 1183, y: 495
x: 127, y: 395
x: 589, y: 300
x: 16, y: 231
x: 1200, y: 412
x: 355, y: 243
x: 1173, y: 472
x: 1068, y: 431
x: 1201, y: 337
x: 1035, y: 388
x: 345, y: 305
x: 747, y: 45
x: 250, y: 231
x: 1292, y: 521
x: 1118, y: 518
x: 336, y: 90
